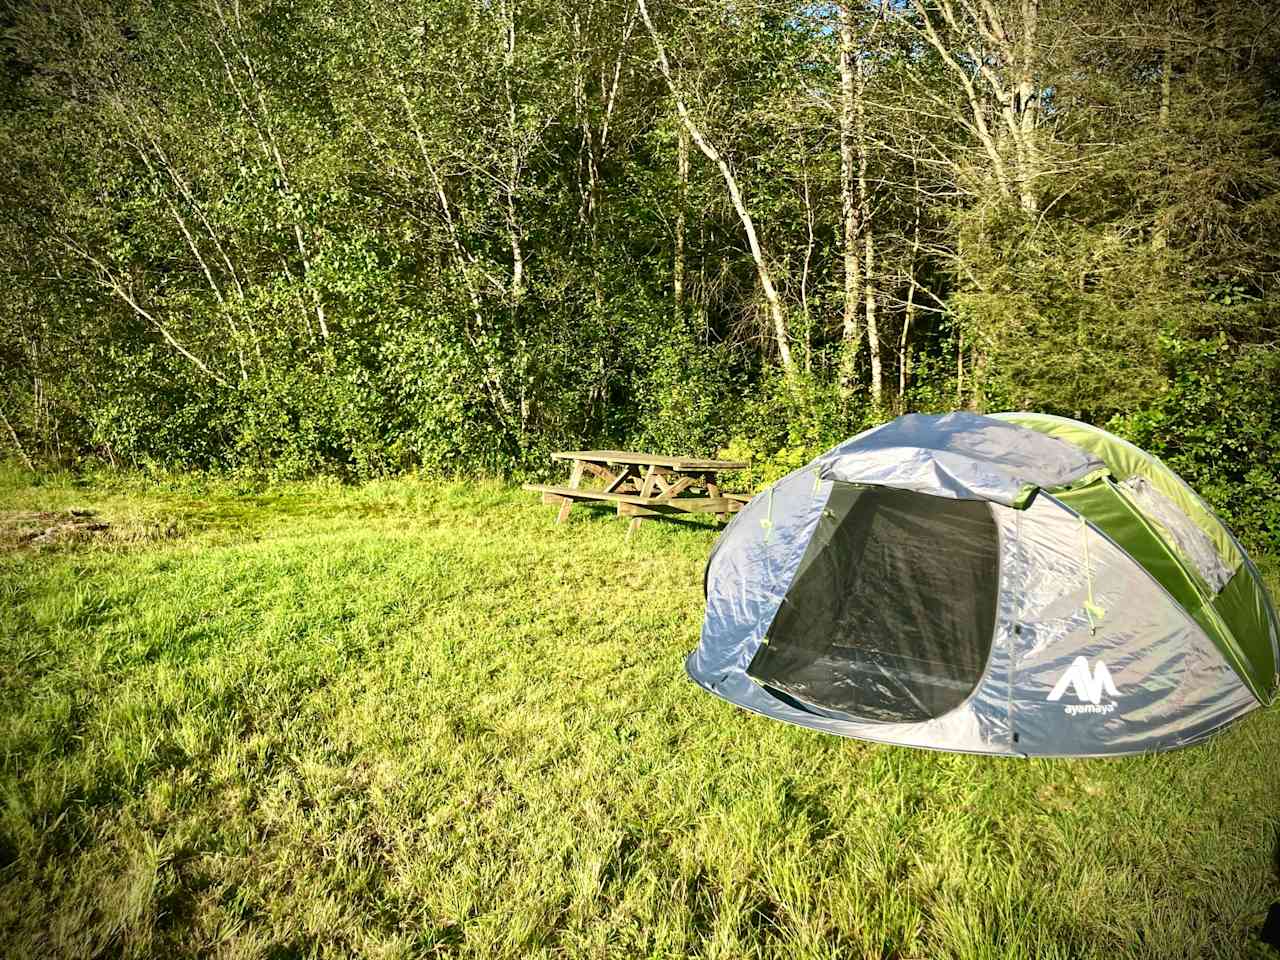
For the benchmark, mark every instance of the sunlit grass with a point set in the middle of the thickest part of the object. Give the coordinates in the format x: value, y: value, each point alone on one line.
x: 417, y: 719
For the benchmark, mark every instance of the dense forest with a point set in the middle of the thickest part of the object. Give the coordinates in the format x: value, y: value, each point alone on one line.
x: 293, y: 237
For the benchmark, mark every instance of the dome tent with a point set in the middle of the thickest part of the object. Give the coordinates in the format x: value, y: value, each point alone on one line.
x: 1015, y: 584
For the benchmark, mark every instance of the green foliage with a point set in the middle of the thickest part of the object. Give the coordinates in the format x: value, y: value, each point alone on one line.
x: 314, y: 419
x: 1218, y: 426
x: 785, y: 425
x: 1079, y: 355
x: 306, y: 239
x: 932, y: 388
x: 688, y: 391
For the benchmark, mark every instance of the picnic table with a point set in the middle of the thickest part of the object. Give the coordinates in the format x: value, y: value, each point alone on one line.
x: 643, y: 484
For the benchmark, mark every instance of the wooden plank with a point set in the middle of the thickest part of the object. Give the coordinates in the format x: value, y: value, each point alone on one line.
x: 677, y: 504
x: 569, y: 493
x: 624, y: 477
x: 651, y: 480
x: 713, y: 490
x: 682, y: 464
x: 572, y: 493
x: 596, y: 470
x: 575, y: 481
x: 665, y: 478
x: 673, y: 490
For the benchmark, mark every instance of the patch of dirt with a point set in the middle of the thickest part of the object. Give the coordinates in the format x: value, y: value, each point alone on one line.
x: 45, y: 527
x: 50, y: 528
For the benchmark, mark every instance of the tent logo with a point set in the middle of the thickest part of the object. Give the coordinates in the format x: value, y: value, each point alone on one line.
x: 1088, y: 686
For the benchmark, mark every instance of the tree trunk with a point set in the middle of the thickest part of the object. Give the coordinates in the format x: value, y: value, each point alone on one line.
x: 113, y: 283
x: 977, y: 108
x: 904, y: 354
x: 682, y: 176
x: 464, y: 261
x: 977, y: 377
x: 868, y: 238
x: 590, y: 189
x: 851, y: 328
x: 1027, y: 108
x: 513, y: 164
x: 771, y: 297
x: 511, y: 188
x: 17, y: 444
x: 1160, y: 231
x: 810, y: 242
x: 263, y: 128
x: 873, y: 330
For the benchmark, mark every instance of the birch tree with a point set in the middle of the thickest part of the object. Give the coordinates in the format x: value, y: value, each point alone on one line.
x: 852, y: 160
x: 763, y: 272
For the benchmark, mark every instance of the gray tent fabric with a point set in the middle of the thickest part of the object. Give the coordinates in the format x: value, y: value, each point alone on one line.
x: 1087, y: 655
x: 961, y: 455
x: 1142, y: 677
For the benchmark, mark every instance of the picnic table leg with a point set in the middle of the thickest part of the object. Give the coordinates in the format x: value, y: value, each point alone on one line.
x: 614, y: 481
x: 617, y: 481
x: 646, y: 490
x: 713, y: 490
x: 575, y: 481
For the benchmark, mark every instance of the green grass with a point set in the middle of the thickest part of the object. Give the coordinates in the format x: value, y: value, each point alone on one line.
x: 415, y: 719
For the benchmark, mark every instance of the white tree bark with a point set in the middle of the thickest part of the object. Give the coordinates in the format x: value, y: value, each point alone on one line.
x: 810, y: 242
x: 514, y: 166
x: 17, y: 444
x: 772, y: 299
x: 464, y: 262
x: 264, y: 129
x: 873, y: 329
x: 904, y: 354
x: 113, y: 283
x: 850, y: 208
x: 682, y: 178
x: 1006, y: 61
x: 869, y: 289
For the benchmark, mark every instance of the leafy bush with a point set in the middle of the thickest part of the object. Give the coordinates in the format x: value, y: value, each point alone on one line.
x: 783, y: 426
x: 1218, y: 426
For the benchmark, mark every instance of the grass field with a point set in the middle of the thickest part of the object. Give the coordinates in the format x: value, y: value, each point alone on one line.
x: 414, y: 719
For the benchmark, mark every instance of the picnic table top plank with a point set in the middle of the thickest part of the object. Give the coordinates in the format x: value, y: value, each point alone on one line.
x: 683, y: 464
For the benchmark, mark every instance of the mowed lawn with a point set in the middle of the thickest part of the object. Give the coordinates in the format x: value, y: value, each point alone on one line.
x: 414, y: 719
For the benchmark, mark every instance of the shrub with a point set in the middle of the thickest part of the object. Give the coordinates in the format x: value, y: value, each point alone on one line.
x: 1218, y: 426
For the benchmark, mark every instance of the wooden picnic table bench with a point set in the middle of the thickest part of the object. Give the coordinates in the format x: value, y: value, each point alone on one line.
x: 643, y: 484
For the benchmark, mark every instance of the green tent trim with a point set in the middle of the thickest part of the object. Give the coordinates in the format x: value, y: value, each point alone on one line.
x: 1240, y: 619
x: 1124, y: 460
x: 1106, y: 507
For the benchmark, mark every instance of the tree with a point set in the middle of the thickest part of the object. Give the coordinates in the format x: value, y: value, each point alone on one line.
x: 767, y: 287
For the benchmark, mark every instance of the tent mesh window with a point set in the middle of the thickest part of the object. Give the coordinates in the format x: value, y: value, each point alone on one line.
x: 1180, y: 530
x: 891, y: 614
